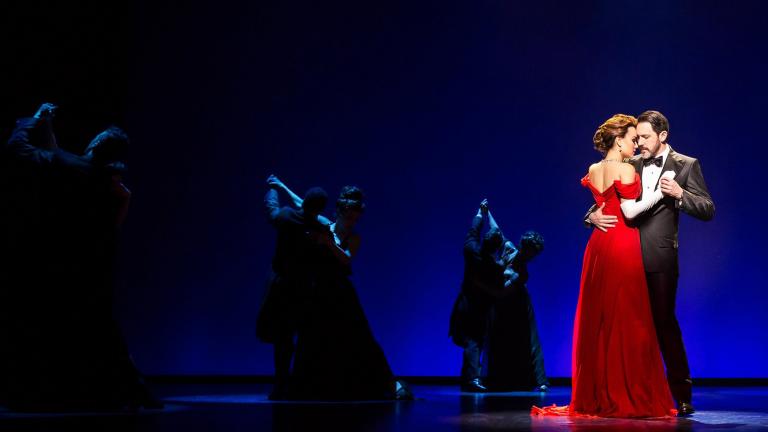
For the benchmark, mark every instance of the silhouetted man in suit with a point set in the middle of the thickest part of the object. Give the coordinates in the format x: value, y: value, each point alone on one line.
x: 294, y: 274
x: 66, y: 351
x: 483, y: 282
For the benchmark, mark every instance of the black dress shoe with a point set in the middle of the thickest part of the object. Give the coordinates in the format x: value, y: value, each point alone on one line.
x: 474, y: 386
x: 403, y: 391
x: 685, y: 409
x: 278, y: 394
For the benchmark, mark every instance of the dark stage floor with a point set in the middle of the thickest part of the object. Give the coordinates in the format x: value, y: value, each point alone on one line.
x: 244, y: 407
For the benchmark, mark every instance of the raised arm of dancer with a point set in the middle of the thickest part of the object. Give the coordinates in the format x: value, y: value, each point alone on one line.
x: 32, y: 151
x: 472, y: 241
x: 632, y: 208
x: 493, y: 225
x: 276, y: 183
x: 492, y: 222
x: 20, y: 144
x: 296, y: 200
x: 272, y: 204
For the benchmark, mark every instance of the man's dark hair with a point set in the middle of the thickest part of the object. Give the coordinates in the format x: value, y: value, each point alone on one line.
x: 493, y: 240
x: 109, y: 146
x: 532, y: 240
x: 658, y: 122
x: 315, y: 200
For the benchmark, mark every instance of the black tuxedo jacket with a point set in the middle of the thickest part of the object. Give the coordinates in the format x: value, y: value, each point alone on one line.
x: 482, y: 274
x: 296, y: 254
x: 30, y: 184
x: 659, y: 225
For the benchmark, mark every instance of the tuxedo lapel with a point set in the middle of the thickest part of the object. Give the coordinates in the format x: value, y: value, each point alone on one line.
x: 671, y: 164
x: 637, y: 162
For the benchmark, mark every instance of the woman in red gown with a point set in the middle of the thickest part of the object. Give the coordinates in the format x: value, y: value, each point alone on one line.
x: 617, y: 367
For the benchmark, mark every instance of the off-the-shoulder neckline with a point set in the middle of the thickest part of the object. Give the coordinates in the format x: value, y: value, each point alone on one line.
x: 588, y: 182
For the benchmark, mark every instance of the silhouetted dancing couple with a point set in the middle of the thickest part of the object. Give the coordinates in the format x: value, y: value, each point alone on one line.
x: 493, y: 317
x: 62, y: 348
x: 312, y: 309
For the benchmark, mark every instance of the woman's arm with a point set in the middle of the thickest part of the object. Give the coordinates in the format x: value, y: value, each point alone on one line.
x: 472, y: 241
x: 632, y: 208
x: 324, y: 220
x: 492, y: 222
x: 344, y: 256
x: 354, y: 245
x: 340, y: 254
x: 275, y: 182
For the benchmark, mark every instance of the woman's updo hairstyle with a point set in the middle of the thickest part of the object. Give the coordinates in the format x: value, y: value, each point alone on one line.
x: 350, y: 198
x: 614, y: 127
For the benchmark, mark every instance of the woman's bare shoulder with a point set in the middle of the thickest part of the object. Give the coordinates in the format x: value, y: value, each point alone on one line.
x: 626, y: 172
x: 626, y: 168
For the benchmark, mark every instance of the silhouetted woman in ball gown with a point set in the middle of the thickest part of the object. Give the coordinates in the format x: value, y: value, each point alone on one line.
x: 337, y: 356
x: 617, y: 367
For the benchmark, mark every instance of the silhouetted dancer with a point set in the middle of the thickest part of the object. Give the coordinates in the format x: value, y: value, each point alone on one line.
x: 338, y: 357
x: 66, y: 349
x: 288, y: 295
x: 514, y: 359
x: 26, y: 249
x: 483, y: 282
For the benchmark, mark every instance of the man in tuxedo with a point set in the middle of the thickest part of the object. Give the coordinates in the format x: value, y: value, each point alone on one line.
x: 688, y: 193
x: 294, y: 273
x: 483, y: 282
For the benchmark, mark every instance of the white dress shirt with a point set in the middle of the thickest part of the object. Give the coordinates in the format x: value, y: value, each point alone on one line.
x: 652, y: 173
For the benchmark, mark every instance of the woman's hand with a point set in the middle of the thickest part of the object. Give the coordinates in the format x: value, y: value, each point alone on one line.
x: 484, y: 206
x: 274, y: 182
x: 46, y: 111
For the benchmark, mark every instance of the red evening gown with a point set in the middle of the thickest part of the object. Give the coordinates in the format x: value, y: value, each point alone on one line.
x: 617, y: 367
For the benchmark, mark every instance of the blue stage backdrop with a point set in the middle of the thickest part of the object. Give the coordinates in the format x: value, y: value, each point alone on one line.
x: 429, y: 107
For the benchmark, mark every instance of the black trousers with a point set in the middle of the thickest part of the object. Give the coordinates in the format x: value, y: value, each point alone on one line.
x: 471, y: 367
x: 662, y: 290
x: 283, y: 355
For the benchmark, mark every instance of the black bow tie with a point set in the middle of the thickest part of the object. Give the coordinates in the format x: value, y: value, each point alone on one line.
x: 654, y: 161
